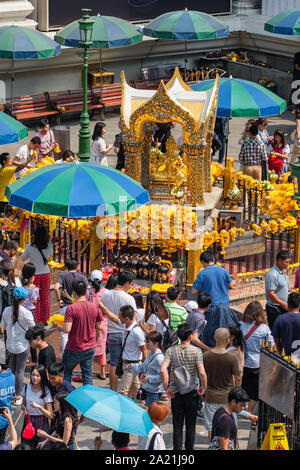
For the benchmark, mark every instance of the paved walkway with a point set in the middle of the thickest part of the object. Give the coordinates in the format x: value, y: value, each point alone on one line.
x: 286, y: 122
x: 88, y: 430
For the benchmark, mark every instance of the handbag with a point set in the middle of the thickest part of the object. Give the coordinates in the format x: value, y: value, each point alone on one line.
x: 29, y: 431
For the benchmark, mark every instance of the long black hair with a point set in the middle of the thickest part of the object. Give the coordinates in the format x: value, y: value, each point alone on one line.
x: 155, y: 304
x: 41, y: 237
x: 3, y: 159
x: 96, y: 284
x: 238, y: 337
x: 111, y: 282
x: 66, y: 409
x: 44, y: 378
x: 15, y: 307
x: 99, y: 126
x: 28, y: 271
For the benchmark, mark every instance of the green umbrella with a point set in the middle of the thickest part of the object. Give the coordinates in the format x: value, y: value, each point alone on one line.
x: 185, y: 25
x: 11, y: 130
x: 108, y: 32
x: 287, y: 22
x: 242, y: 98
x: 76, y: 190
x: 18, y: 42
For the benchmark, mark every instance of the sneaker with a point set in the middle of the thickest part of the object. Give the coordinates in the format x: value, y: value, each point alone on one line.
x: 18, y: 401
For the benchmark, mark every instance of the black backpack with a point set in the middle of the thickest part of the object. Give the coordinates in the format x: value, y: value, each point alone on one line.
x: 170, y: 335
x: 6, y: 295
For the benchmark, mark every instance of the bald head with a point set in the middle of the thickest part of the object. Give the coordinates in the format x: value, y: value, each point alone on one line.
x: 221, y: 336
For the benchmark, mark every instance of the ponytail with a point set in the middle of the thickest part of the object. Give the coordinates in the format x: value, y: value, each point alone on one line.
x: 15, y: 306
x: 96, y: 284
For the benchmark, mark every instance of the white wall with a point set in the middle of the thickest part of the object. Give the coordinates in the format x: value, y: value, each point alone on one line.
x: 274, y: 7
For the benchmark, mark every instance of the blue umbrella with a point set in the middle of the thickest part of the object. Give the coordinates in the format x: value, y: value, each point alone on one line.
x: 242, y: 98
x: 11, y: 130
x: 76, y: 190
x: 111, y: 409
x: 287, y: 22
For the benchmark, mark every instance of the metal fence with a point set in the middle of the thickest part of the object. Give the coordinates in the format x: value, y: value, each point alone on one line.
x: 258, y: 261
x: 269, y: 414
x: 66, y: 246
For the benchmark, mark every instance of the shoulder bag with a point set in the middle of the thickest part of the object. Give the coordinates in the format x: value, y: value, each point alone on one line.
x: 119, y: 368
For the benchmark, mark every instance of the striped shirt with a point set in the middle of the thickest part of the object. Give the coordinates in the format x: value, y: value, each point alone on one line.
x: 188, y: 356
x: 253, y: 152
x: 178, y: 314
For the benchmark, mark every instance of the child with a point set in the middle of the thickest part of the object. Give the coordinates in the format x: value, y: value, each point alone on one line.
x: 27, y: 280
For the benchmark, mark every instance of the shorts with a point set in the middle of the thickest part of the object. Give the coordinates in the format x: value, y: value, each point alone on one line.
x: 114, y: 343
x: 208, y: 413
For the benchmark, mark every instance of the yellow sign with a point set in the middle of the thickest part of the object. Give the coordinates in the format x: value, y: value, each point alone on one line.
x: 276, y: 438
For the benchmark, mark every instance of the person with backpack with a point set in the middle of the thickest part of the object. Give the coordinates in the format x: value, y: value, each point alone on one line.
x: 16, y: 320
x: 7, y: 285
x: 149, y: 370
x: 133, y: 349
x: 27, y: 281
x: 156, y: 314
x: 186, y: 366
x: 178, y: 314
x: 158, y: 413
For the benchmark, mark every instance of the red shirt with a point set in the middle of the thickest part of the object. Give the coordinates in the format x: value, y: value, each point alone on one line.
x: 83, y: 315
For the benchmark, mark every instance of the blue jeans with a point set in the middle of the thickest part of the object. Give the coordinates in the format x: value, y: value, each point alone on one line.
x: 114, y: 343
x: 151, y: 397
x: 85, y: 358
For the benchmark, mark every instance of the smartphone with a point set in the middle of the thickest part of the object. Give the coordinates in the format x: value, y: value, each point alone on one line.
x: 2, y: 410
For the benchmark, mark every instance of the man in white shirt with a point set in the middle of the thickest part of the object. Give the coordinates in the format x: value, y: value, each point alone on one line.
x: 24, y: 153
x: 134, y: 347
x: 113, y: 300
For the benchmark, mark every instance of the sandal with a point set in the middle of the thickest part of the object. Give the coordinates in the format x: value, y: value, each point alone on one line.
x: 100, y: 377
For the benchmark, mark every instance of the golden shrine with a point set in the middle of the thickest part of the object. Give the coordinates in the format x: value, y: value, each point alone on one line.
x: 189, y: 163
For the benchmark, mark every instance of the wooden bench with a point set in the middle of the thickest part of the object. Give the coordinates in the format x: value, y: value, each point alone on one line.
x: 31, y: 107
x: 111, y: 95
x: 71, y: 101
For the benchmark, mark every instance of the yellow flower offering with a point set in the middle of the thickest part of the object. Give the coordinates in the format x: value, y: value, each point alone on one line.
x: 161, y: 288
x: 56, y: 319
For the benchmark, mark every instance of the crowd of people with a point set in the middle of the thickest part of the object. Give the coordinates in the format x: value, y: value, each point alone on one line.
x: 195, y: 356
x: 260, y: 152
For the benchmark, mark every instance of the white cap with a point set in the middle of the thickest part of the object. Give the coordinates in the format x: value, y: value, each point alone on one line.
x: 96, y: 274
x: 191, y: 305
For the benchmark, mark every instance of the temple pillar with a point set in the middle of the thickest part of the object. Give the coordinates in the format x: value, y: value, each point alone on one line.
x: 15, y: 12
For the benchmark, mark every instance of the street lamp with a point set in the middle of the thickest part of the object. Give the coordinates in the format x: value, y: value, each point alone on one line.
x: 86, y: 29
